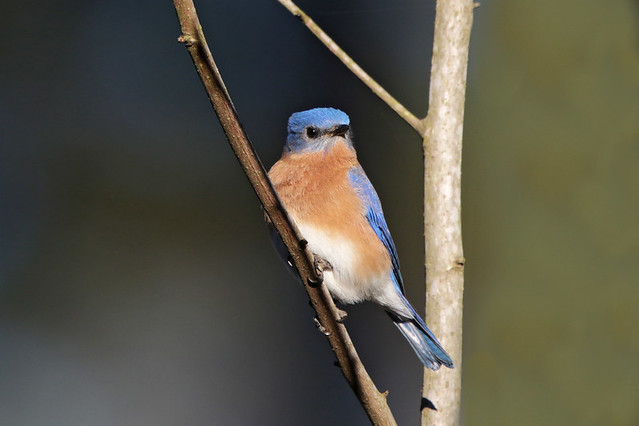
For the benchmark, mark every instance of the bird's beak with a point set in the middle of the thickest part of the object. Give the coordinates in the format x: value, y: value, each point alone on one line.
x: 340, y: 130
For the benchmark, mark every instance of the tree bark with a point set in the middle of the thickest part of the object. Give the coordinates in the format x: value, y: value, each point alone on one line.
x: 442, y: 206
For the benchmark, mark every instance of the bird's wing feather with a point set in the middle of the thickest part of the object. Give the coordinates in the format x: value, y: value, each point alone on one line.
x: 375, y: 217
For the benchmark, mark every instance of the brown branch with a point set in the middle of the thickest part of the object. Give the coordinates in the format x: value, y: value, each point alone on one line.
x: 375, y: 87
x: 373, y: 402
x: 442, y: 203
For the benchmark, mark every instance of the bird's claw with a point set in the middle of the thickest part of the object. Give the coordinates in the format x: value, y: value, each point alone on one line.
x: 321, y: 265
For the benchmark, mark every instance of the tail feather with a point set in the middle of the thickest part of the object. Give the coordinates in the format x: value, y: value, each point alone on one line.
x: 428, y: 349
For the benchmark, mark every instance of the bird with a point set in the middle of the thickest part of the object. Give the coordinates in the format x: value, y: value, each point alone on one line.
x: 332, y: 202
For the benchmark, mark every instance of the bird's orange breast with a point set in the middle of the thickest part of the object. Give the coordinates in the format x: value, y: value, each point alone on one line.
x: 316, y: 191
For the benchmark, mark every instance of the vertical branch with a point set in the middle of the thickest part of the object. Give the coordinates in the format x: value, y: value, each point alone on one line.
x: 442, y: 205
x: 373, y: 402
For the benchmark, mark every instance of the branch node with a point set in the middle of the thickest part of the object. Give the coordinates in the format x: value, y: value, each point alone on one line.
x: 188, y: 40
x: 341, y: 316
x: 427, y: 403
x: 321, y: 328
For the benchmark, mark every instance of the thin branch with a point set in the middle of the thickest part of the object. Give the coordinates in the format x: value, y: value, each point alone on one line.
x: 375, y: 87
x: 373, y: 402
x: 442, y: 204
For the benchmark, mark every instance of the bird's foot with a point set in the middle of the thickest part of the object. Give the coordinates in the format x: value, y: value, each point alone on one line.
x: 321, y: 265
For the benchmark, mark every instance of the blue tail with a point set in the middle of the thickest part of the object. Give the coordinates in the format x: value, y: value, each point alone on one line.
x: 428, y: 349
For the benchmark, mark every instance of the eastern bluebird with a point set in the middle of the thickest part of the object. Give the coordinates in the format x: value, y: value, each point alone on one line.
x: 337, y: 210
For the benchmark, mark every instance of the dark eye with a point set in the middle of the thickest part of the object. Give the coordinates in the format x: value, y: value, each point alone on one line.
x: 312, y: 132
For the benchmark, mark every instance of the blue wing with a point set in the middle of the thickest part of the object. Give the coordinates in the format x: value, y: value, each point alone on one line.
x: 423, y: 341
x: 375, y: 217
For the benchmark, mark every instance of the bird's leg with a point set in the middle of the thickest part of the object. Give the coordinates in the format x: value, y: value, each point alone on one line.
x: 322, y: 265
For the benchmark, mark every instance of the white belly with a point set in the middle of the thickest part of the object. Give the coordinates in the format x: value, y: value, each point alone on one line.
x: 342, y: 281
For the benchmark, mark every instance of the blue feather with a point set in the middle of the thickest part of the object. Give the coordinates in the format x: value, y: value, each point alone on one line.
x: 375, y: 217
x: 422, y: 340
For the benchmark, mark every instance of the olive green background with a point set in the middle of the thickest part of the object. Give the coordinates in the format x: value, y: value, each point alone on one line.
x: 137, y: 282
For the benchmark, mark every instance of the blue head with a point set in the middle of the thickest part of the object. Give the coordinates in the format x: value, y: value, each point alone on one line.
x: 317, y: 130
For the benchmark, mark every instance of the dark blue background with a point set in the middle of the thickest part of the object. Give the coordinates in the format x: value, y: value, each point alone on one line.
x: 137, y: 282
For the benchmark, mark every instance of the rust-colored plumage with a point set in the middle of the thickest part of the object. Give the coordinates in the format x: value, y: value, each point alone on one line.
x: 316, y: 191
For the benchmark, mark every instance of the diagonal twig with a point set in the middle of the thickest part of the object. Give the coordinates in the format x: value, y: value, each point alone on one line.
x: 375, y: 87
x: 373, y: 402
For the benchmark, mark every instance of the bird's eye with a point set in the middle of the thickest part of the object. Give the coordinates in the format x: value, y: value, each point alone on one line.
x: 312, y: 132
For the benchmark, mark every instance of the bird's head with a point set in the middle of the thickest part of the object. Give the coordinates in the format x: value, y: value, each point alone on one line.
x: 317, y: 130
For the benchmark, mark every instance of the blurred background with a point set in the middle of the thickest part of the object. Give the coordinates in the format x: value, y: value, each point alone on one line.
x: 137, y: 282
